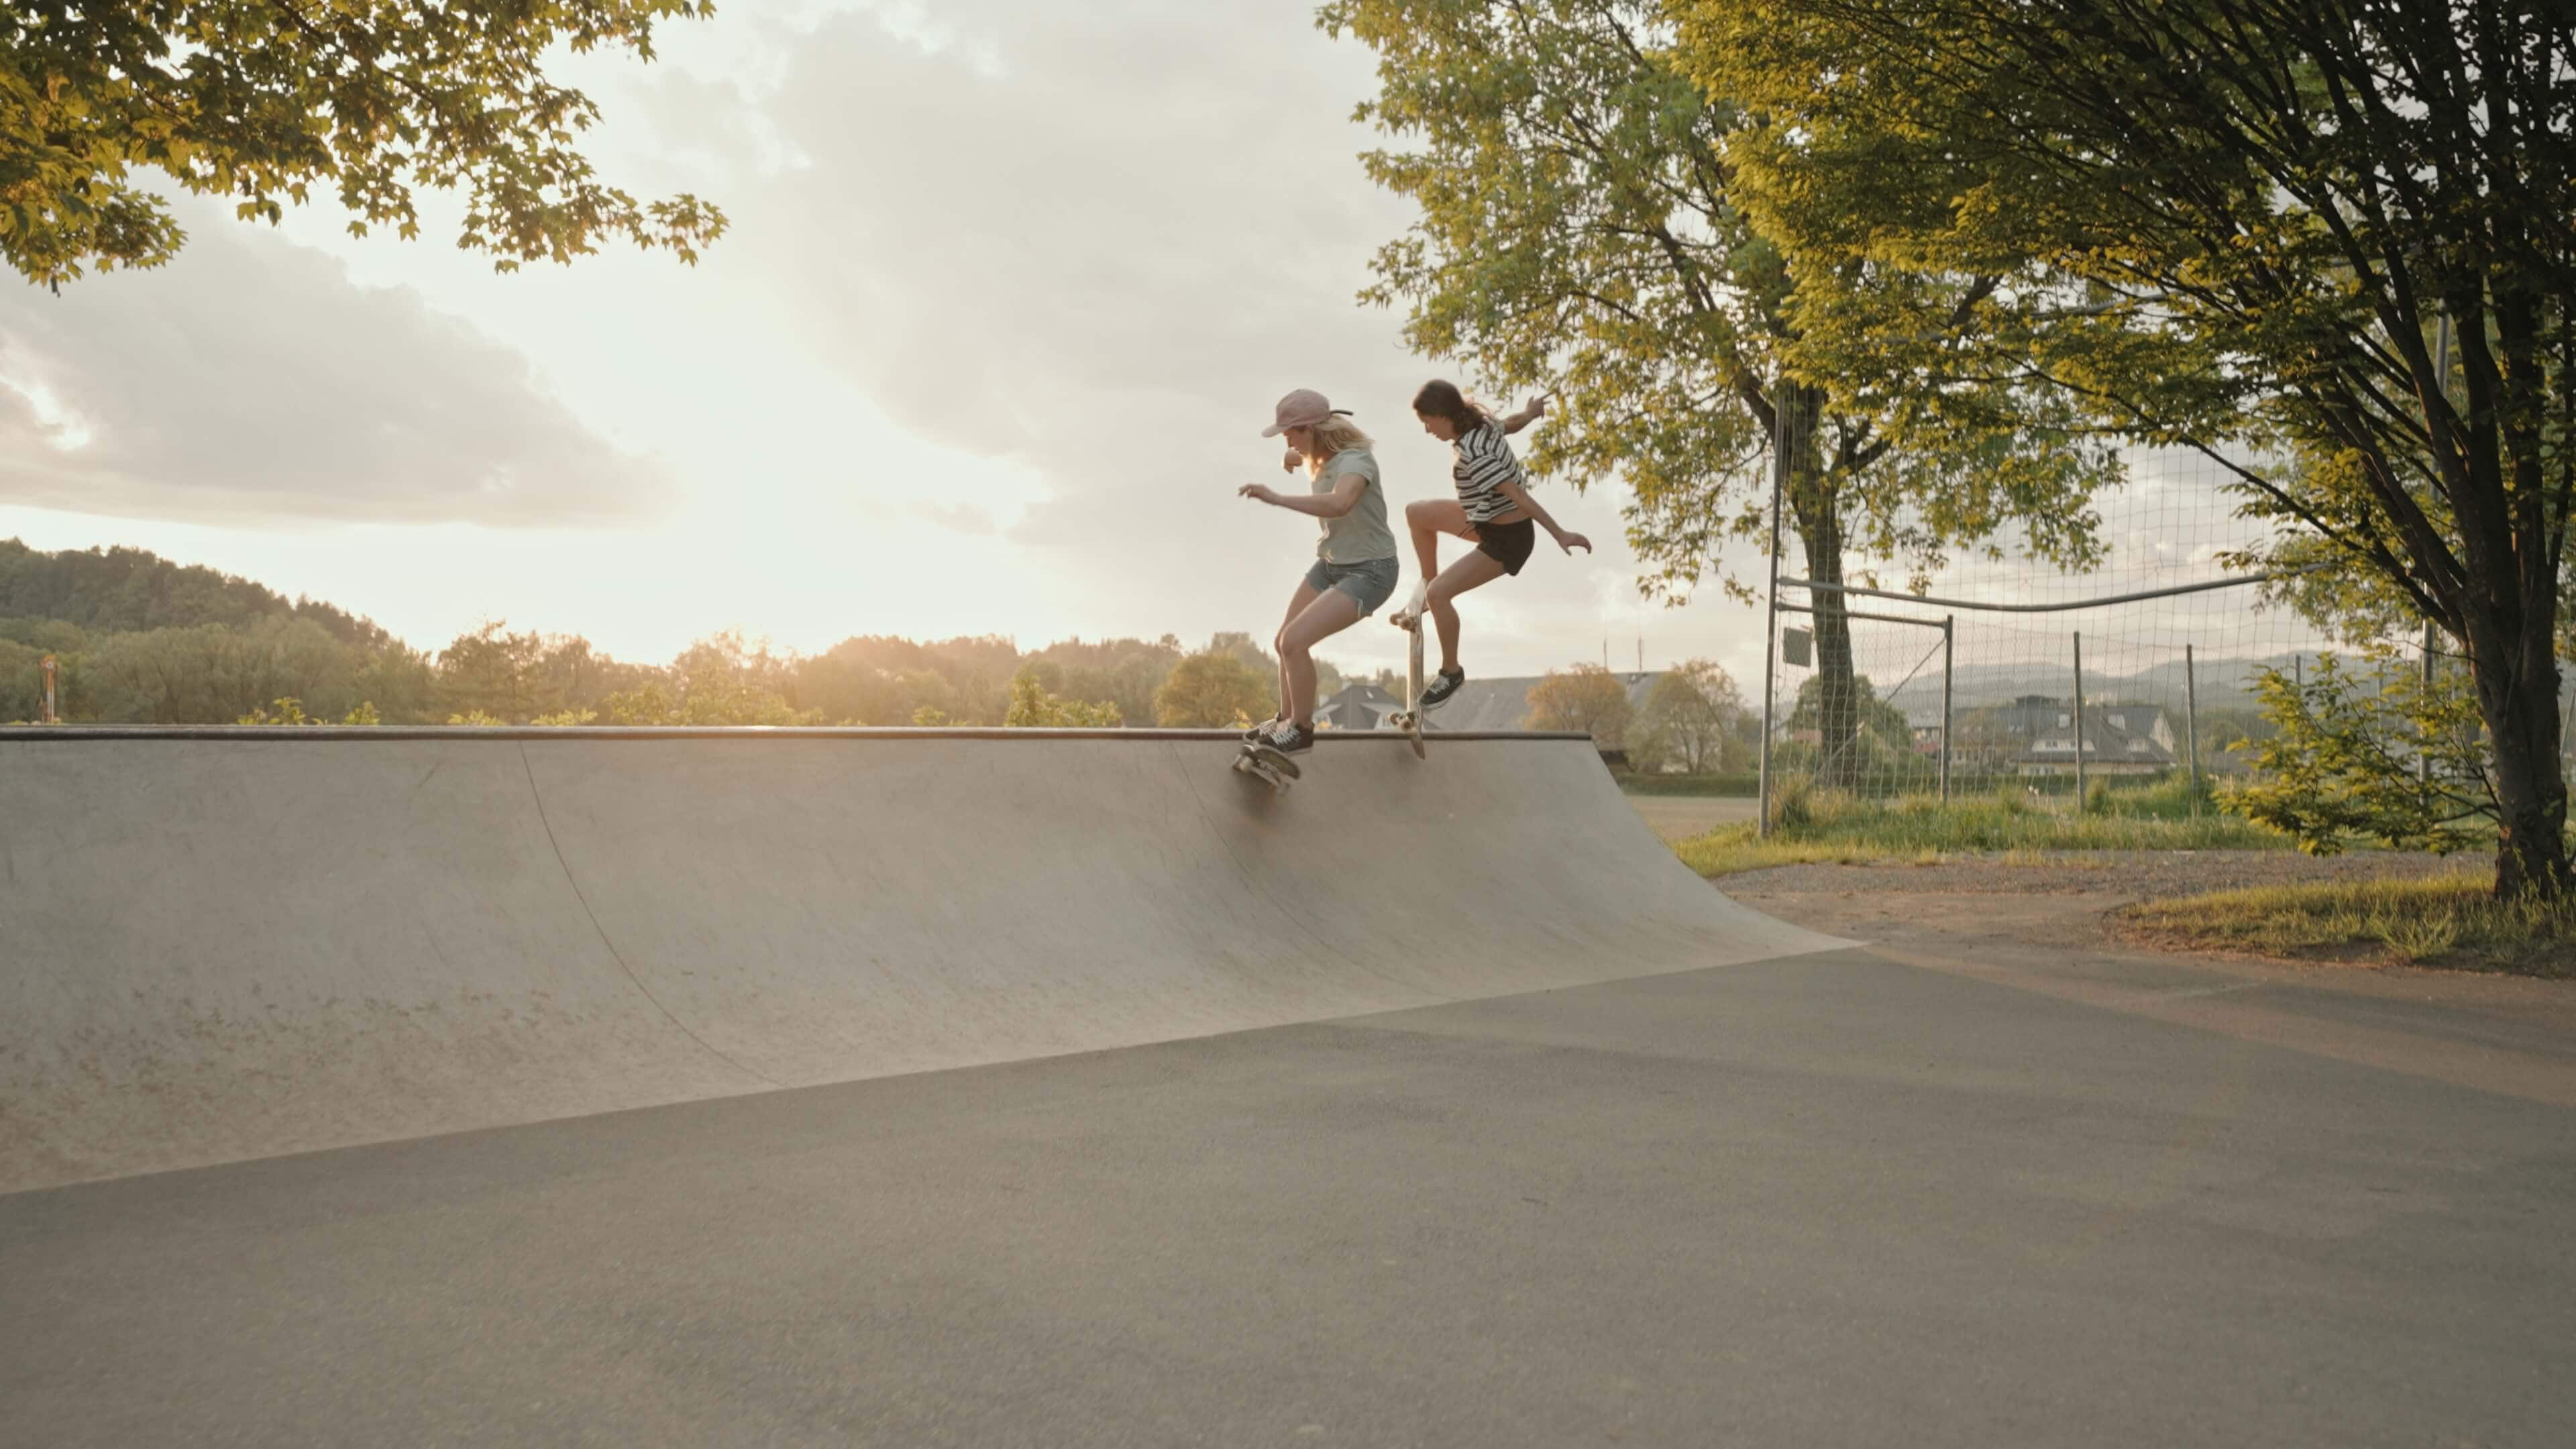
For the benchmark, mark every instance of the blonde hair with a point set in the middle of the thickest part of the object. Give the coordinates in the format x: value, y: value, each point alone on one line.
x: 1337, y: 434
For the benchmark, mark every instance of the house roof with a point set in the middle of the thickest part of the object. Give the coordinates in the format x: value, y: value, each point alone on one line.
x: 1361, y: 706
x: 1479, y: 705
x: 1503, y: 704
x: 2107, y: 742
x: 2125, y: 732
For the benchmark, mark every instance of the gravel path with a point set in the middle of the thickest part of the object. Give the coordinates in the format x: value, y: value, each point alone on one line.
x: 1679, y: 817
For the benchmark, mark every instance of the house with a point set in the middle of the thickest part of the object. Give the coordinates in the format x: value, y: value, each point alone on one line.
x: 2035, y: 734
x: 1480, y: 705
x: 1362, y: 706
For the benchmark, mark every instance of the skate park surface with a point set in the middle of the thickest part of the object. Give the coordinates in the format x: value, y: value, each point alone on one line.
x: 906, y: 1087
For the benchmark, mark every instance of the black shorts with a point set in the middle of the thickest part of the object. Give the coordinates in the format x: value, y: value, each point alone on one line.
x: 1508, y: 544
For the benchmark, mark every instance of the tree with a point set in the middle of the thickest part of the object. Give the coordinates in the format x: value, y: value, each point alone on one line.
x: 491, y: 672
x: 716, y: 704
x: 1213, y: 689
x: 1124, y: 672
x: 1691, y: 712
x: 264, y: 103
x: 1878, y: 720
x: 1985, y: 741
x: 517, y: 677
x: 128, y: 590
x: 2347, y: 757
x: 861, y: 680
x: 1580, y: 232
x: 290, y: 711
x: 212, y: 674
x: 2242, y: 226
x: 1586, y: 698
x: 1033, y: 707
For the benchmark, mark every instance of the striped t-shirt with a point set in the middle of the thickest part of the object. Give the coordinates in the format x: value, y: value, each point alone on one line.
x: 1485, y: 463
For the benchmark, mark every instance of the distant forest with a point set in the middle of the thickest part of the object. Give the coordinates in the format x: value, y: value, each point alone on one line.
x: 138, y: 639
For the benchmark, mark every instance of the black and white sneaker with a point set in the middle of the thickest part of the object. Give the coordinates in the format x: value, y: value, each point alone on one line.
x: 1260, y: 734
x: 1442, y: 685
x: 1290, y: 740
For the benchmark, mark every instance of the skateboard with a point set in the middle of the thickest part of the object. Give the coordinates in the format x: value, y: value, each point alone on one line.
x: 1409, y: 719
x: 1268, y: 764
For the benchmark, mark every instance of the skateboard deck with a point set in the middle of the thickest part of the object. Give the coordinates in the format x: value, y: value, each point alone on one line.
x: 1409, y: 719
x: 1265, y: 763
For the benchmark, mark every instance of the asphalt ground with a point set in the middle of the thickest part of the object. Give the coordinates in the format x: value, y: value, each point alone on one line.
x: 1828, y: 1200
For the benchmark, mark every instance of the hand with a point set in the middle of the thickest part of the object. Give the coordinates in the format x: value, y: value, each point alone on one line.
x: 1535, y: 408
x: 1572, y: 541
x: 1289, y: 463
x: 1258, y: 492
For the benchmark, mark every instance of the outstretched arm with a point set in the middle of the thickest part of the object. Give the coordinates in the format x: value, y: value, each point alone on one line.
x: 1344, y: 497
x: 1531, y: 411
x: 1564, y: 540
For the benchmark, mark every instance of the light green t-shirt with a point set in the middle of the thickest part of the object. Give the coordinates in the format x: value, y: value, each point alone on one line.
x: 1361, y: 534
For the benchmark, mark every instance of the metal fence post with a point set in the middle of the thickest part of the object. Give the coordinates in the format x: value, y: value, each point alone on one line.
x: 2079, y: 722
x: 2191, y: 722
x: 1949, y: 629
x: 1771, y: 617
x: 2424, y: 746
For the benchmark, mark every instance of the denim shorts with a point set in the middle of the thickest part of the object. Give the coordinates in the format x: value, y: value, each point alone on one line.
x: 1369, y: 582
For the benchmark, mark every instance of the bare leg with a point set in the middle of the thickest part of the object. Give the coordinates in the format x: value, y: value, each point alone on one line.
x: 1329, y: 614
x: 1474, y: 571
x: 1428, y: 519
x: 1298, y: 603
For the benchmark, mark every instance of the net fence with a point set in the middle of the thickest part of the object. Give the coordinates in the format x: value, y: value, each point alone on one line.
x: 2010, y: 672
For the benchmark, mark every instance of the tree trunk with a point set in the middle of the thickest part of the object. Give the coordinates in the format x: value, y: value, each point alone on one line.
x: 2510, y: 523
x: 1814, y: 504
x: 1837, y: 694
x: 2520, y: 707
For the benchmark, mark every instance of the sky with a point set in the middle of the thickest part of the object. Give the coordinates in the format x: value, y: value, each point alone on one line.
x: 1009, y: 293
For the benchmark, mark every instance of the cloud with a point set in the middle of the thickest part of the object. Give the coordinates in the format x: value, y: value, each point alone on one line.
x: 1011, y: 289
x: 1103, y: 239
x: 252, y: 381
x: 1097, y: 243
x: 964, y: 518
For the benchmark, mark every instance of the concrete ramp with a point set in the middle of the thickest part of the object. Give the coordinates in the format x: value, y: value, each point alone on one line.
x: 218, y: 945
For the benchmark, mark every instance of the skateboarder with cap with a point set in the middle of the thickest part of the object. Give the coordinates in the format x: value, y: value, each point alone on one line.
x: 1355, y: 564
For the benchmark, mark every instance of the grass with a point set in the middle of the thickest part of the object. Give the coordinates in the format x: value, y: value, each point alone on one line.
x: 1819, y: 827
x: 1733, y: 848
x: 2445, y: 920
x: 1735, y: 787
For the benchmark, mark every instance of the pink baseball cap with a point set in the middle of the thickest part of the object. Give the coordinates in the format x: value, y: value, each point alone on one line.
x: 1302, y: 409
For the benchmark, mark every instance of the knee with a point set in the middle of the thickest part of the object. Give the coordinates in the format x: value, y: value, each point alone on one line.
x: 1420, y: 514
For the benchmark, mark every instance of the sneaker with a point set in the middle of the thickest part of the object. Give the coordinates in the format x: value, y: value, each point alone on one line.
x: 1442, y: 685
x: 1261, y: 733
x: 1290, y: 740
